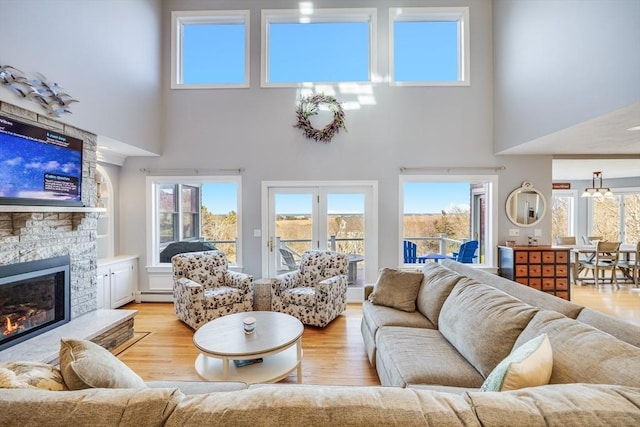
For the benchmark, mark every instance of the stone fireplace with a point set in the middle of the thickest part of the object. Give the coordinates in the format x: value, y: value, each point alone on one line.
x: 36, y: 233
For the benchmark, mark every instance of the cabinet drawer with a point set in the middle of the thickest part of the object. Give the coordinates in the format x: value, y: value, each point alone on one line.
x: 548, y: 270
x: 548, y: 257
x: 521, y: 257
x: 535, y: 283
x: 535, y: 257
x: 522, y: 270
x: 561, y: 270
x: 562, y: 284
x: 522, y: 281
x: 535, y: 270
x: 563, y: 295
x: 562, y: 257
x: 548, y: 284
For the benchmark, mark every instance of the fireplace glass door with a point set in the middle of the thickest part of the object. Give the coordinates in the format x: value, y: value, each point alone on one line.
x: 34, y: 297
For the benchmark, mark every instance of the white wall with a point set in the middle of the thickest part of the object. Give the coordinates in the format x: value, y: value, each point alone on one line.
x: 253, y: 129
x: 562, y: 62
x: 105, y: 53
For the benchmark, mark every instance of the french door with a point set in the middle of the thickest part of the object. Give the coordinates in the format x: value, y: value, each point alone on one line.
x: 338, y: 217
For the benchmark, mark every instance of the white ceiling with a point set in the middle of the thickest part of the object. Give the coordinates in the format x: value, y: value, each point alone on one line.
x: 606, y: 143
x: 605, y: 135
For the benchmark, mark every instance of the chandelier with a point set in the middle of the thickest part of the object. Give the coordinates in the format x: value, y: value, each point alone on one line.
x: 597, y: 191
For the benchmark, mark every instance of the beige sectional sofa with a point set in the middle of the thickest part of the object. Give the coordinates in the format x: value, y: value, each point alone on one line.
x: 298, y: 405
x: 466, y: 321
x: 463, y: 324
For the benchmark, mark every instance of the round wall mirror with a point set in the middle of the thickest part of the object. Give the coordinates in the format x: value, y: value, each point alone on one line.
x: 526, y: 206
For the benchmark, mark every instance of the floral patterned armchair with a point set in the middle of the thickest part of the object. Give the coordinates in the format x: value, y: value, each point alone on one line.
x: 317, y: 292
x: 204, y: 288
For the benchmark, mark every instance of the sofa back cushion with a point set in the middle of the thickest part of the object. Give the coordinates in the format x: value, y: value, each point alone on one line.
x: 584, y: 354
x: 627, y: 332
x: 90, y: 407
x: 524, y: 293
x: 483, y: 323
x: 437, y: 283
x: 559, y: 405
x: 308, y: 405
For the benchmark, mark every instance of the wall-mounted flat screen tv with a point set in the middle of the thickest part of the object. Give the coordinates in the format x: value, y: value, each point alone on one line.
x: 38, y: 166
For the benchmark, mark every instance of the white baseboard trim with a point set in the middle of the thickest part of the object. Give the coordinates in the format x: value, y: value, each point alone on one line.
x: 154, y: 297
x: 355, y: 295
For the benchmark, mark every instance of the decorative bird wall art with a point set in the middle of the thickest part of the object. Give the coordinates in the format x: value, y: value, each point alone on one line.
x: 38, y: 89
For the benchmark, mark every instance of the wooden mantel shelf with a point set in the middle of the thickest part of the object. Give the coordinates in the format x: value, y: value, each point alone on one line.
x: 20, y: 208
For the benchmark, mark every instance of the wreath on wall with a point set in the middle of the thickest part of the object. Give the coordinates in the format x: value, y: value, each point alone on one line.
x: 308, y: 106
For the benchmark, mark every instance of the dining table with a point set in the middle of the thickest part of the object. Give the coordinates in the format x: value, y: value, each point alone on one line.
x: 589, y: 251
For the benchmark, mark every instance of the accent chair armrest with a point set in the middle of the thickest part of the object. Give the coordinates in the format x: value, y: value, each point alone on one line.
x: 330, y: 289
x: 235, y: 279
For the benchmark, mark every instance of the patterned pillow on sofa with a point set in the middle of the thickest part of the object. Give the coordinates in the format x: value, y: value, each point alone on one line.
x: 31, y: 375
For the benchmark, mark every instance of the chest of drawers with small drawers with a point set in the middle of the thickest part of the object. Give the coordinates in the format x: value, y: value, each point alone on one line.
x: 545, y: 268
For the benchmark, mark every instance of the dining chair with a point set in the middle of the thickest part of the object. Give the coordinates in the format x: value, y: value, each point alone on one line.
x: 591, y: 240
x: 566, y: 240
x: 569, y: 241
x: 605, y: 258
x: 631, y: 266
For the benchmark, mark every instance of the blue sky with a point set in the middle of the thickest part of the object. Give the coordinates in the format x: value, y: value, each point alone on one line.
x: 420, y: 197
x: 220, y: 198
x: 320, y: 52
x: 433, y: 197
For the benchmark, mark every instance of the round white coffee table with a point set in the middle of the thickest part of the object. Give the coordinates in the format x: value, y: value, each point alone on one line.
x: 277, y: 339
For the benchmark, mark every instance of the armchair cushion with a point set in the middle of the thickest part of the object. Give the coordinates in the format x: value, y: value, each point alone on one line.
x: 320, y: 265
x: 221, y: 296
x: 300, y: 296
x: 206, y: 276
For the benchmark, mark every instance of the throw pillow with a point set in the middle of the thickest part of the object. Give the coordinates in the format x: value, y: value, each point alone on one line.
x: 396, y: 289
x: 31, y: 375
x: 527, y: 366
x: 87, y: 365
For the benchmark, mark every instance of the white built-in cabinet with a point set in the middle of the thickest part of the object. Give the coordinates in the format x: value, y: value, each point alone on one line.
x: 117, y: 281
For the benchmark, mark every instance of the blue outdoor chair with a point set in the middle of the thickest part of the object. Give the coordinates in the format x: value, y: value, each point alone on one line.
x: 410, y: 252
x: 466, y: 253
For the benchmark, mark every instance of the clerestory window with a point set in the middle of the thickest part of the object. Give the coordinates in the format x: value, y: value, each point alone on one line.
x: 429, y: 46
x: 210, y: 49
x: 317, y: 46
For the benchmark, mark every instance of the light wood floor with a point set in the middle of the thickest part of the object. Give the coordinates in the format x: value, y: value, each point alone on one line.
x: 332, y: 355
